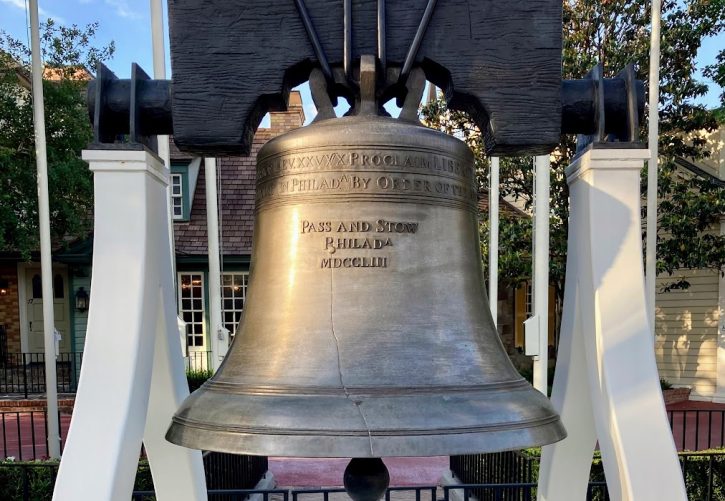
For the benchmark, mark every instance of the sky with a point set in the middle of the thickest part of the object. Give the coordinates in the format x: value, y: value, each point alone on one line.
x: 127, y: 23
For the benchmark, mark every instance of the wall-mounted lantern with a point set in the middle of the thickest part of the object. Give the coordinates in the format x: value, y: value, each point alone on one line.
x: 4, y: 284
x: 81, y: 300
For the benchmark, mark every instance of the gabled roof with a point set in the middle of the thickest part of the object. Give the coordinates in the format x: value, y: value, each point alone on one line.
x: 236, y: 192
x: 698, y: 171
x: 505, y: 207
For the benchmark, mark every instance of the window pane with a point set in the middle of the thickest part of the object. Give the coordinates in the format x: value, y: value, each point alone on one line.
x: 191, y: 306
x: 233, y: 292
x: 37, y: 287
x: 58, y: 287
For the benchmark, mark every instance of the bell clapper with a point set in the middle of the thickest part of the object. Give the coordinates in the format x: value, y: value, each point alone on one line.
x: 366, y: 479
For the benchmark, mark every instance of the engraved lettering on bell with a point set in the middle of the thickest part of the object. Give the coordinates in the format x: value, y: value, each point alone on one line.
x: 366, y: 331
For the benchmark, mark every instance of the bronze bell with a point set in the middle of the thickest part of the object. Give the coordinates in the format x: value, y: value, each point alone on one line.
x: 367, y: 331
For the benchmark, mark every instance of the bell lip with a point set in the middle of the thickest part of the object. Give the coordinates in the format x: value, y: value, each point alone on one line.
x: 326, y: 446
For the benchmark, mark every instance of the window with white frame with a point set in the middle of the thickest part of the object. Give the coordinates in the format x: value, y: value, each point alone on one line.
x: 177, y: 196
x: 234, y: 293
x: 191, y: 307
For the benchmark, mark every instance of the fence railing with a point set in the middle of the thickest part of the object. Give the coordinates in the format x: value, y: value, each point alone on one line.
x: 227, y: 475
x: 697, y: 430
x: 25, y: 372
x: 512, y: 476
x: 198, y: 361
x: 24, y: 435
x: 25, y: 482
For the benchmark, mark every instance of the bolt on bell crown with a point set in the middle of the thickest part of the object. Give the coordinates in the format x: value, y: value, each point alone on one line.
x: 366, y: 331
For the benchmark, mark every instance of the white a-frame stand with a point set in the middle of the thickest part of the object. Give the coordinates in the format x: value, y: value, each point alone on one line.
x: 132, y: 379
x: 606, y: 386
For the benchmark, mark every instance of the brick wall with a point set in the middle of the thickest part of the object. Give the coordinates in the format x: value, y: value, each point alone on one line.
x: 9, y: 313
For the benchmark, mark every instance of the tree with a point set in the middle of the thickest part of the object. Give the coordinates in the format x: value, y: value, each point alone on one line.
x: 616, y: 33
x: 67, y: 53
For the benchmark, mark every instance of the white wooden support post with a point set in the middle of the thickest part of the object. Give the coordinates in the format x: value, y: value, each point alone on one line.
x: 540, y: 286
x: 219, y: 334
x: 132, y: 379
x: 606, y: 386
x: 493, y: 215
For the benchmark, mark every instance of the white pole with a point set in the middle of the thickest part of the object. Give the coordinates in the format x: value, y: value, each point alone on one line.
x: 46, y: 265
x: 159, y: 58
x: 493, y: 191
x: 541, y: 270
x: 219, y: 342
x: 652, y: 168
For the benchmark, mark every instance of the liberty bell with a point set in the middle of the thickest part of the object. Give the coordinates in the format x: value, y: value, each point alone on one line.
x: 367, y: 331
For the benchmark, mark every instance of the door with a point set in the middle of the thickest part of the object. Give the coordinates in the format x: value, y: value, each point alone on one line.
x: 34, y: 308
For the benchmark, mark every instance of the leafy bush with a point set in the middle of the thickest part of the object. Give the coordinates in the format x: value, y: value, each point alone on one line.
x: 37, y: 478
x: 196, y: 378
x: 696, y: 467
x: 34, y: 477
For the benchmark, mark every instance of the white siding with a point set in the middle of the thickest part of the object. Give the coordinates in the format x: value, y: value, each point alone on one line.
x: 686, y: 332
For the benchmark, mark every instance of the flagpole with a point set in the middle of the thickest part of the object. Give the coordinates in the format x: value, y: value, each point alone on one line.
x: 159, y: 63
x: 46, y: 264
x: 652, y: 165
x: 493, y: 193
x: 541, y: 270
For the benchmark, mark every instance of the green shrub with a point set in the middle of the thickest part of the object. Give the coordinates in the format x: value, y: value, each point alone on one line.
x: 664, y: 384
x: 37, y: 477
x: 196, y: 378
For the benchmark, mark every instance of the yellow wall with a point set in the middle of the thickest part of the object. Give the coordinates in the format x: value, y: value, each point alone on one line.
x: 686, y: 332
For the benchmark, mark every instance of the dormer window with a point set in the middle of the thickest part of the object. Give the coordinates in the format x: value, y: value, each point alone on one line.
x: 183, y: 185
x: 180, y: 192
x: 177, y: 196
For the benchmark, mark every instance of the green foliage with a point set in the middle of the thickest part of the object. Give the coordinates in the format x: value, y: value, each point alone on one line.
x: 67, y: 52
x: 37, y: 479
x: 664, y: 384
x: 617, y: 33
x: 197, y: 377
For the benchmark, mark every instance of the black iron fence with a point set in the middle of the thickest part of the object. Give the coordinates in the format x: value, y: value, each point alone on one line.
x: 224, y: 495
x: 24, y: 435
x: 512, y: 476
x: 704, y: 478
x: 198, y: 361
x: 697, y: 430
x: 227, y: 477
x: 24, y: 373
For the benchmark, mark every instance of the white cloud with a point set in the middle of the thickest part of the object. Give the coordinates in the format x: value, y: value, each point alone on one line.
x: 20, y: 4
x: 123, y: 9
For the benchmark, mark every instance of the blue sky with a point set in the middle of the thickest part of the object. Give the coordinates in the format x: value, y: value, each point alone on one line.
x: 127, y: 22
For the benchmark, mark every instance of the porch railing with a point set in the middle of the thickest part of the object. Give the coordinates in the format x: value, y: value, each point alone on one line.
x: 697, y: 430
x: 24, y: 373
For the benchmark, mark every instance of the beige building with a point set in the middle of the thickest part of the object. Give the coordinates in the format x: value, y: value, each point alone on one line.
x: 690, y: 324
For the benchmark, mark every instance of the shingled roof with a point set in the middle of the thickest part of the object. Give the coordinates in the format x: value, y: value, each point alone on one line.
x: 236, y: 193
